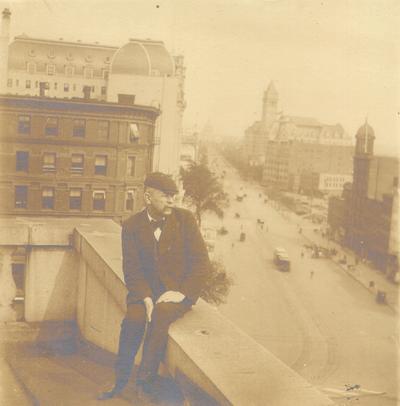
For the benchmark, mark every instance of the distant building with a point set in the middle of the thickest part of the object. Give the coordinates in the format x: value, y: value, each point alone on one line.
x: 314, y: 183
x: 365, y: 218
x: 257, y: 135
x: 307, y: 167
x: 189, y: 149
x: 73, y: 157
x: 142, y: 70
x: 297, y: 153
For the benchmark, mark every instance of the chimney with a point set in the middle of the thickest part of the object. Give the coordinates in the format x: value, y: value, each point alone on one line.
x: 126, y: 99
x: 4, y: 40
x: 86, y: 92
x: 43, y: 88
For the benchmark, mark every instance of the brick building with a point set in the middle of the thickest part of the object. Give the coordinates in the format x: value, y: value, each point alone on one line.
x: 143, y: 68
x: 73, y: 157
x: 365, y: 218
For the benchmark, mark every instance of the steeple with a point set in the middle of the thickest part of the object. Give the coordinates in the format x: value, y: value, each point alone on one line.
x: 270, y: 106
x: 365, y: 139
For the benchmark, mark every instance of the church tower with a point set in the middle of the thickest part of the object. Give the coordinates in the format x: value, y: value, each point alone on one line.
x: 270, y: 106
x: 365, y: 138
x: 363, y: 154
x: 4, y: 40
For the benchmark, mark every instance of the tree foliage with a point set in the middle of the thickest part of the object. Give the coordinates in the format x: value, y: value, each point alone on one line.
x: 217, y: 284
x: 203, y: 191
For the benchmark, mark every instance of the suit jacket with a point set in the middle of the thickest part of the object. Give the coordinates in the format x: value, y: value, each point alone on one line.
x: 179, y: 260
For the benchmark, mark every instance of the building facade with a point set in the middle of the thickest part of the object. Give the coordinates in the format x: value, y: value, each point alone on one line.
x: 73, y: 157
x: 257, y: 135
x: 365, y: 218
x: 143, y: 69
x: 307, y: 167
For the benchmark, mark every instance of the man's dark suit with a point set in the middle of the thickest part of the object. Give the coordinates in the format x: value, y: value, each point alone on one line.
x: 177, y: 262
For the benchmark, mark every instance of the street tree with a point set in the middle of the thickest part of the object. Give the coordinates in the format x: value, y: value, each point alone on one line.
x: 203, y: 191
x: 217, y: 284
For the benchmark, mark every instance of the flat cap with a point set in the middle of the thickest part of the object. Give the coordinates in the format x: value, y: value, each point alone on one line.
x: 161, y: 181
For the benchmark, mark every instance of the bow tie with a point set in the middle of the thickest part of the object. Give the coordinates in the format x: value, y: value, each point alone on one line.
x: 157, y: 224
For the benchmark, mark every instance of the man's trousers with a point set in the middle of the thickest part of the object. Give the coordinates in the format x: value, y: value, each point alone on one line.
x: 132, y: 331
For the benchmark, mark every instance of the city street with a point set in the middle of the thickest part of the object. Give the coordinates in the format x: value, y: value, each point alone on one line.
x: 315, y: 318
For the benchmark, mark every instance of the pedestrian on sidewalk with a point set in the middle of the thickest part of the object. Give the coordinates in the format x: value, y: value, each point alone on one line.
x: 311, y: 274
x: 302, y: 254
x: 162, y: 283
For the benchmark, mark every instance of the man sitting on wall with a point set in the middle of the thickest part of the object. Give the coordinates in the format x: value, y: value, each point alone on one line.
x: 165, y: 261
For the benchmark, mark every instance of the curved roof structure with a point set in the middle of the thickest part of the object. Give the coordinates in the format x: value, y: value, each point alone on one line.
x: 365, y: 131
x: 139, y: 57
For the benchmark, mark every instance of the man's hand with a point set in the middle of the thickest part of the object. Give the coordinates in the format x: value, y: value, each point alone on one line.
x: 171, y: 296
x: 148, y: 303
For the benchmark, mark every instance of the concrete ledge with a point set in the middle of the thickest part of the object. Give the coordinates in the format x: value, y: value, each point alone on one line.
x: 44, y: 231
x: 232, y: 367
x: 204, y: 346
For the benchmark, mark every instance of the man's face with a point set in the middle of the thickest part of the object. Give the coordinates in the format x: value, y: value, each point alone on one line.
x: 158, y: 203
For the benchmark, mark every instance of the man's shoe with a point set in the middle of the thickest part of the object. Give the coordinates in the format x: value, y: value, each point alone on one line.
x: 115, y: 391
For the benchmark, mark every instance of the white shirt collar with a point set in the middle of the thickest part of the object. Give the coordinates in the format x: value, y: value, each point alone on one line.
x: 152, y: 218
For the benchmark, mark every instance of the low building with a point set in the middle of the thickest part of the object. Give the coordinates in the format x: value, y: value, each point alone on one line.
x: 315, y: 183
x: 73, y: 157
x: 365, y: 218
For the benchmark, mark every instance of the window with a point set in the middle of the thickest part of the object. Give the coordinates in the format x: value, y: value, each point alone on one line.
x: 79, y: 128
x: 49, y: 162
x: 48, y: 198
x: 103, y: 128
x: 24, y: 124
x: 88, y: 73
x: 133, y: 133
x: 100, y: 165
x: 27, y: 84
x: 55, y: 85
x: 22, y: 161
x: 77, y: 163
x: 66, y: 87
x: 16, y: 82
x: 103, y: 90
x: 51, y: 127
x: 130, y: 200
x: 131, y: 166
x: 69, y: 70
x: 31, y: 67
x: 75, y: 199
x: 9, y: 82
x: 21, y: 197
x: 51, y: 69
x: 105, y: 74
x: 99, y: 200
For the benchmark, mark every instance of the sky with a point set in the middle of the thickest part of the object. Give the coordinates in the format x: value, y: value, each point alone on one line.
x: 334, y: 60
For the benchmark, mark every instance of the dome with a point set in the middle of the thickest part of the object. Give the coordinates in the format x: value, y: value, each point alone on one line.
x: 142, y: 57
x: 365, y: 131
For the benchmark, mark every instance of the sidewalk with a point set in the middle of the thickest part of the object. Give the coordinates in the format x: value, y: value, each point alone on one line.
x: 372, y: 279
